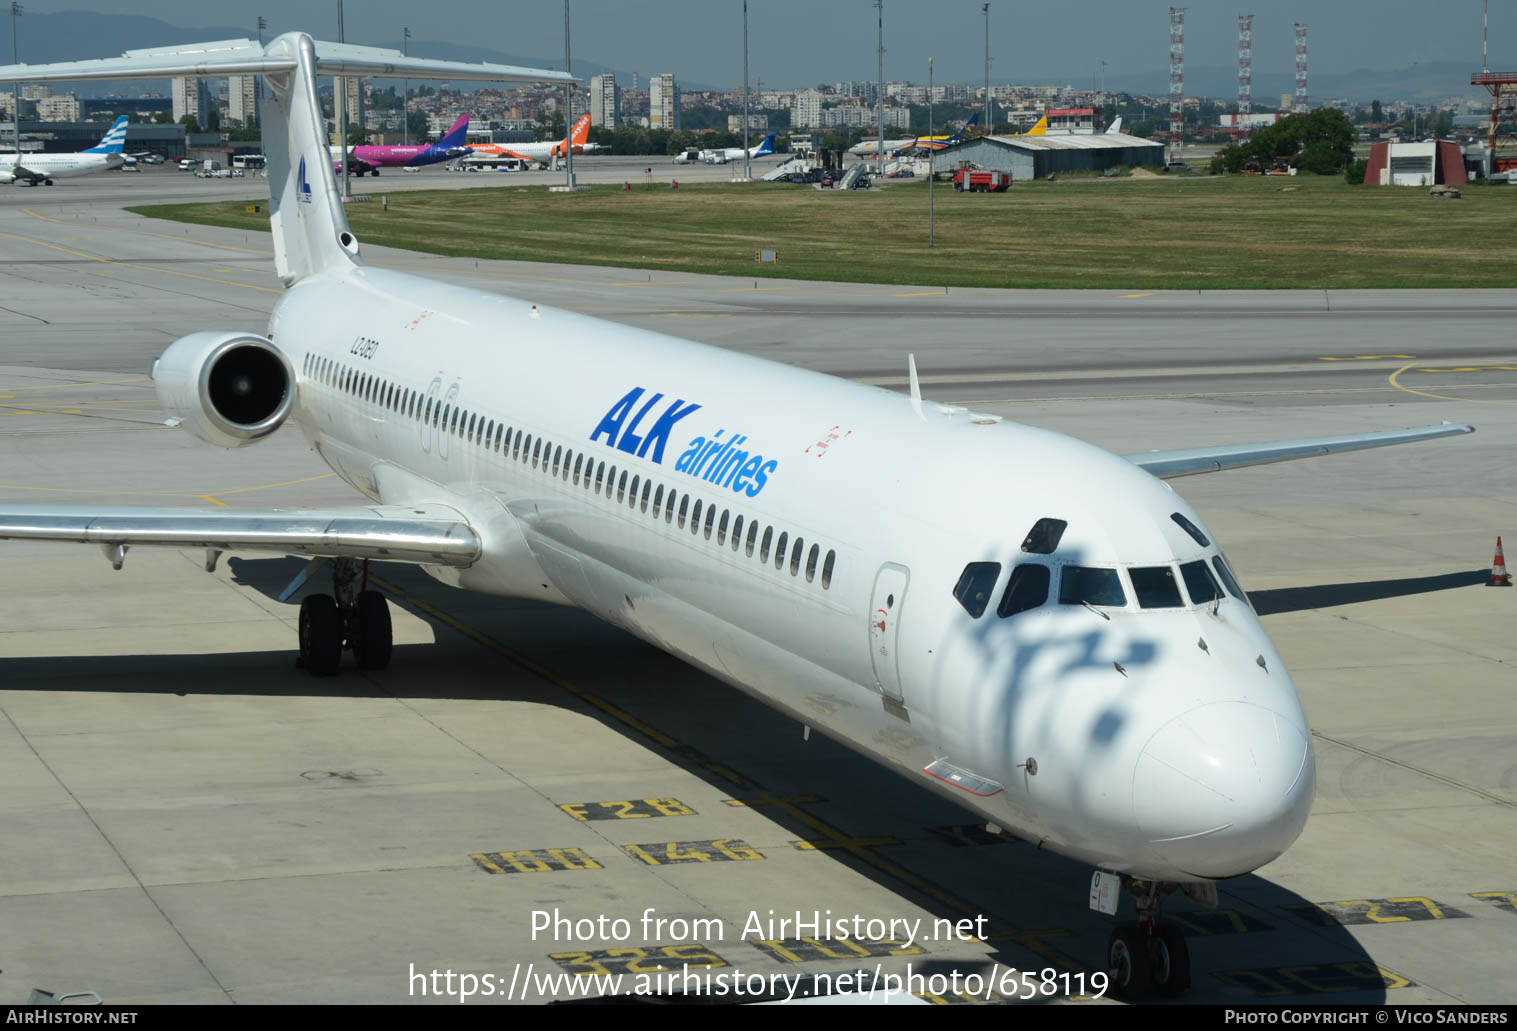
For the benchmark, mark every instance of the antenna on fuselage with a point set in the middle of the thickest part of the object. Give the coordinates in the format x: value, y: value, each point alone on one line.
x: 916, y: 385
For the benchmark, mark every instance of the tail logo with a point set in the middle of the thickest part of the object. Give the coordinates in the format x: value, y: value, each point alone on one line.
x: 302, y: 186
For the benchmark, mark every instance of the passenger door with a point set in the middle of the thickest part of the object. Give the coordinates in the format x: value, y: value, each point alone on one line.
x: 885, y: 609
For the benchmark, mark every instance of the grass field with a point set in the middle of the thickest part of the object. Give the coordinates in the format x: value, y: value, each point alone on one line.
x: 1236, y: 232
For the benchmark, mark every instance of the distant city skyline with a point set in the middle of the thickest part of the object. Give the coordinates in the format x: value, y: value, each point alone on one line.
x: 795, y: 43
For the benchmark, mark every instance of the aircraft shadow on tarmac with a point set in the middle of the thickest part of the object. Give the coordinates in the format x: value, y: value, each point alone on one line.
x: 1322, y: 596
x: 1263, y: 944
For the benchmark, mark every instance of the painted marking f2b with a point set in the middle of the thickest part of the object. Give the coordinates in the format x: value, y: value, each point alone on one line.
x: 628, y: 809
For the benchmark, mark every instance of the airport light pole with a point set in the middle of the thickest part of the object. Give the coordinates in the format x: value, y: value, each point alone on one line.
x: 568, y: 107
x: 747, y: 166
x: 340, y: 101
x: 930, y: 153
x: 879, y: 99
x: 990, y: 119
x: 16, y: 12
x: 261, y: 26
x: 405, y: 106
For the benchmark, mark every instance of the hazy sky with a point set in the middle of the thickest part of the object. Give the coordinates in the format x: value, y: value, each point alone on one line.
x: 799, y: 42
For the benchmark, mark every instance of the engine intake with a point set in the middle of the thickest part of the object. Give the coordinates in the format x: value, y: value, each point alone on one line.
x: 229, y: 389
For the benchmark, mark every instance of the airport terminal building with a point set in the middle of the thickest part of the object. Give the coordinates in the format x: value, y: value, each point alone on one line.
x: 1036, y: 157
x: 67, y: 137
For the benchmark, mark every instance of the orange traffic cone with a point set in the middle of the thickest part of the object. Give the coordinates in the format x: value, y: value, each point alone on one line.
x: 1499, y: 576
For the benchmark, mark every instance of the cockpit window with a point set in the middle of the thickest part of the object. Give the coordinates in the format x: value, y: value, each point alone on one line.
x: 975, y: 585
x: 1156, y: 587
x: 1090, y: 585
x: 1027, y: 590
x: 1044, y: 536
x: 1192, y: 529
x: 1199, y: 582
x: 1233, y: 587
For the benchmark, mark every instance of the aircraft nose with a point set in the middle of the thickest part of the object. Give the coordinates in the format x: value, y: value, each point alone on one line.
x: 1224, y: 788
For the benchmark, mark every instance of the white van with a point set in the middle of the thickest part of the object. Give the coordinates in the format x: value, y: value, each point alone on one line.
x: 188, y: 164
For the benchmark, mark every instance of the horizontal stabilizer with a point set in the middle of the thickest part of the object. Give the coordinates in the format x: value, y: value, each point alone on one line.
x: 1169, y: 464
x: 247, y: 57
x: 431, y: 535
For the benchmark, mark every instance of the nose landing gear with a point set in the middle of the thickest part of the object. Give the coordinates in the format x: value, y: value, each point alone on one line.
x: 351, y: 618
x: 1151, y: 956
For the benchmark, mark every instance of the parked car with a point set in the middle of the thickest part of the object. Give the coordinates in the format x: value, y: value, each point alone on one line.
x: 861, y: 183
x: 1177, y: 166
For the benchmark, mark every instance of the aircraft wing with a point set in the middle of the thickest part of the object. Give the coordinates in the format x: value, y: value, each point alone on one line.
x: 422, y: 534
x: 1169, y: 464
x: 22, y: 172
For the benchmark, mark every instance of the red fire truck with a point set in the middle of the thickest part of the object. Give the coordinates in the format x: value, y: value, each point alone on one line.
x: 979, y: 180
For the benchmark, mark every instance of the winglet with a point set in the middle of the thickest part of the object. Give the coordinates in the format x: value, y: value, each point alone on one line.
x: 916, y: 384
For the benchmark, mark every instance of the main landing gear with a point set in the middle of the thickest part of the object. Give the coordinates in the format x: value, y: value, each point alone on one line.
x: 1150, y: 957
x: 351, y: 618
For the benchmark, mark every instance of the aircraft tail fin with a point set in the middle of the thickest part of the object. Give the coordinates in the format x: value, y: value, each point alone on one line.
x: 581, y: 132
x: 310, y: 228
x: 963, y: 132
x: 1115, y: 126
x: 457, y: 135
x: 766, y: 148
x: 113, y: 140
x: 1041, y: 129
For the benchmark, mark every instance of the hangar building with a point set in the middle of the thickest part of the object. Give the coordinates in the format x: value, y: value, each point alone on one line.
x: 1035, y: 157
x: 1425, y: 163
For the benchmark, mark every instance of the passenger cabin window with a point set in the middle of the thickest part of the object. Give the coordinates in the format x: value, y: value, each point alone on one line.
x: 779, y: 551
x: 827, y: 567
x: 1027, y: 589
x: 811, y: 562
x: 1199, y: 582
x: 1091, y: 585
x: 1044, y: 537
x: 1156, y: 587
x: 1192, y: 529
x: 975, y: 584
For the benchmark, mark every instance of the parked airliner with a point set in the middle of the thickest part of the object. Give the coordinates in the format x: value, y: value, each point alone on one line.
x: 369, y: 157
x: 544, y: 152
x: 1030, y: 626
x: 31, y: 169
x: 868, y: 148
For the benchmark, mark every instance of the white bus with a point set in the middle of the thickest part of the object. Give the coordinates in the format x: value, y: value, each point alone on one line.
x: 251, y: 161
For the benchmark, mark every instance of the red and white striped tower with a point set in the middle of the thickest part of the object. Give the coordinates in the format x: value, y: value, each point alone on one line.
x: 1300, y: 102
x: 1245, y: 72
x: 1176, y: 80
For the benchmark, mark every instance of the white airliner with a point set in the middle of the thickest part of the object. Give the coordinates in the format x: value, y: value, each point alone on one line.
x: 1034, y: 628
x: 31, y: 169
x: 722, y: 155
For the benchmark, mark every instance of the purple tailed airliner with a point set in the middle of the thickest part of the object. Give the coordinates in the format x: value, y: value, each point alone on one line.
x: 369, y: 158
